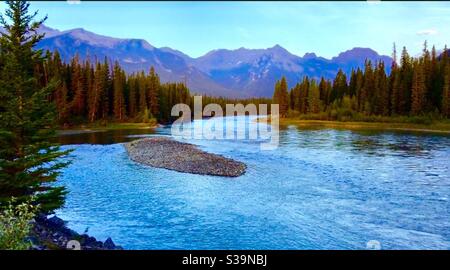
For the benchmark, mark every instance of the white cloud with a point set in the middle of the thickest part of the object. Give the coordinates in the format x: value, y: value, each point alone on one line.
x: 427, y: 32
x: 73, y: 2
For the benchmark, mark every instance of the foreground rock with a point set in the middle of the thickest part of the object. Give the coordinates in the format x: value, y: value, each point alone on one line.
x: 166, y: 153
x: 52, y: 234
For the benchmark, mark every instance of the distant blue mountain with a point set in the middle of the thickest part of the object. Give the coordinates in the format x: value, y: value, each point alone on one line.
x: 229, y: 73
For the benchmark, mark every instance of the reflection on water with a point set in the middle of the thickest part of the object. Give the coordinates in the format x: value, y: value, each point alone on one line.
x: 103, y: 137
x: 321, y: 189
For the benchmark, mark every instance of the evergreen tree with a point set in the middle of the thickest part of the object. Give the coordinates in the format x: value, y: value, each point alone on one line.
x: 313, y: 98
x: 78, y: 88
x: 118, y: 87
x: 96, y: 93
x: 406, y: 74
x: 106, y: 93
x: 418, y: 90
x: 284, y: 97
x: 446, y: 94
x: 142, y: 86
x: 340, y: 87
x: 352, y: 84
x: 61, y: 100
x: 395, y: 88
x: 381, y: 102
x: 276, y: 93
x: 153, y: 87
x: 28, y: 161
x: 367, y: 89
x: 132, y: 98
x: 303, y: 95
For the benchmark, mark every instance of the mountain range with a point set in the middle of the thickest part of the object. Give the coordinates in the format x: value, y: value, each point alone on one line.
x: 230, y: 73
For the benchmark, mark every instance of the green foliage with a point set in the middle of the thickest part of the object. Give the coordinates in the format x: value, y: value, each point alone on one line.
x: 416, y: 91
x: 281, y: 96
x: 29, y: 163
x: 15, y: 225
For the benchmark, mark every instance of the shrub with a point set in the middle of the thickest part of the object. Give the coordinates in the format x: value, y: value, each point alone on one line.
x: 15, y: 225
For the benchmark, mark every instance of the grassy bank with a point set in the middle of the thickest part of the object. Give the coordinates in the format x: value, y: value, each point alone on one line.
x: 441, y: 126
x: 99, y: 127
x: 437, y: 127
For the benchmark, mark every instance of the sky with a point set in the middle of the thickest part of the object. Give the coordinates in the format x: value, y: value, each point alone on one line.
x: 195, y: 28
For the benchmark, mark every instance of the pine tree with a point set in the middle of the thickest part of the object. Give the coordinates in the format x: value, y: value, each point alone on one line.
x: 303, y: 95
x: 313, y: 98
x: 276, y: 93
x: 106, y: 94
x: 28, y: 161
x: 435, y: 85
x: 382, y: 91
x: 418, y: 90
x: 292, y: 99
x: 118, y: 87
x: 132, y: 103
x: 367, y: 89
x: 340, y: 87
x: 352, y: 84
x: 61, y: 100
x: 394, y: 56
x: 323, y: 89
x: 89, y: 74
x: 406, y: 74
x: 96, y: 93
x: 395, y: 88
x: 284, y: 97
x: 78, y: 87
x: 446, y: 94
x: 153, y: 87
x: 142, y: 86
x: 359, y: 84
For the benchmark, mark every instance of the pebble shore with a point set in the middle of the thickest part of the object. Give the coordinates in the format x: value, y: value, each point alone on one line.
x: 52, y: 234
x: 162, y: 152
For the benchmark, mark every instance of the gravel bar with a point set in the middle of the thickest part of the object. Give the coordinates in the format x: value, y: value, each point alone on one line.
x: 162, y: 152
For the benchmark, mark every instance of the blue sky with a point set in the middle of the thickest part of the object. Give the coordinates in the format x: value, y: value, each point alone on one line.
x: 325, y: 28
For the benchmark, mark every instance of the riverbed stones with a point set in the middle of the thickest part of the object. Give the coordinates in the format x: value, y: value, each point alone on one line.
x: 163, y: 152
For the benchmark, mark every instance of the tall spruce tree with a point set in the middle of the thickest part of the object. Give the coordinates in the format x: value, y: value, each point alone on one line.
x: 313, y: 98
x: 418, y: 91
x: 446, y: 93
x: 284, y: 97
x: 153, y: 87
x: 29, y: 163
x: 118, y: 89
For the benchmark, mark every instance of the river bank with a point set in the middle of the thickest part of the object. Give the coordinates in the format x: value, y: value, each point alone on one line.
x: 169, y: 154
x: 439, y: 127
x: 52, y: 234
x: 93, y: 128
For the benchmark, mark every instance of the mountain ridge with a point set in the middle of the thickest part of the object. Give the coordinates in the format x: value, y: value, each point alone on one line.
x: 236, y: 73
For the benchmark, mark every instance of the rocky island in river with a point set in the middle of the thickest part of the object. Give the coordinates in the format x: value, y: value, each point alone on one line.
x: 166, y: 153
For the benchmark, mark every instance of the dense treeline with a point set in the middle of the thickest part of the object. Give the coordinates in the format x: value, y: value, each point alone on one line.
x: 92, y: 91
x: 100, y: 91
x: 415, y: 87
x: 89, y: 92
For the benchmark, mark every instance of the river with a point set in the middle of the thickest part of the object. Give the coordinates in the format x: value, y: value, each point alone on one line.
x: 320, y: 189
